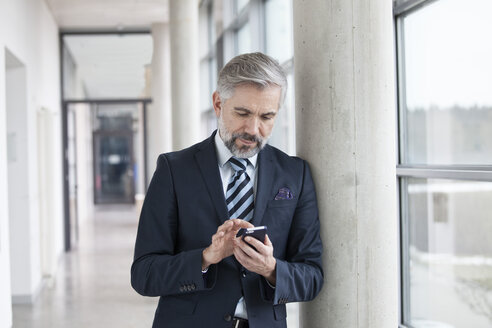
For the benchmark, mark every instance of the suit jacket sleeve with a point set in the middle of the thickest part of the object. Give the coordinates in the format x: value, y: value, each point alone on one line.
x: 299, y: 276
x: 157, y: 270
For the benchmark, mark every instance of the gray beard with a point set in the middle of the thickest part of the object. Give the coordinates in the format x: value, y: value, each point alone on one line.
x: 230, y: 141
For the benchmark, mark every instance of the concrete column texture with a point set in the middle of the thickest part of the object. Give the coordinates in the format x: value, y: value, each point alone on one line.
x: 159, y: 117
x: 183, y: 19
x: 345, y: 123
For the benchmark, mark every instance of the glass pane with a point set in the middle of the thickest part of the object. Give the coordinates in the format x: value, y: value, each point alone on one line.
x: 114, y: 139
x: 240, y: 4
x: 205, y: 94
x: 278, y: 20
x: 447, y: 102
x: 448, y: 275
x: 243, y: 40
x: 106, y: 66
x: 283, y: 135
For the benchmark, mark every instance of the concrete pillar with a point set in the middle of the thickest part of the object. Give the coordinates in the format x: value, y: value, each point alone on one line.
x: 159, y: 121
x: 345, y: 123
x: 183, y: 18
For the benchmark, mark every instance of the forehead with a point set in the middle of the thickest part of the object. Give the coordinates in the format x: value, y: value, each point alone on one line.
x: 255, y: 98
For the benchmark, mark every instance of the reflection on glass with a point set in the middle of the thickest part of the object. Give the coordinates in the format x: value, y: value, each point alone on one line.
x: 448, y: 74
x: 243, y: 40
x: 448, y: 276
x: 278, y: 21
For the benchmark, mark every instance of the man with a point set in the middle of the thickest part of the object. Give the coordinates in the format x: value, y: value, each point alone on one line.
x: 187, y: 251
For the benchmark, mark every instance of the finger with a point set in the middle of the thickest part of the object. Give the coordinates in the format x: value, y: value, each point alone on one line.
x: 268, y: 242
x: 230, y: 235
x: 241, y: 257
x: 238, y: 223
x: 248, y: 250
x: 217, y: 236
x: 226, y: 226
x: 261, y: 249
x: 254, y: 242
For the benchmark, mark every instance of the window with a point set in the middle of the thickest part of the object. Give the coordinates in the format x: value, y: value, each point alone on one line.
x: 239, y: 5
x: 279, y: 45
x: 241, y: 26
x: 279, y: 31
x: 445, y: 162
x: 243, y: 39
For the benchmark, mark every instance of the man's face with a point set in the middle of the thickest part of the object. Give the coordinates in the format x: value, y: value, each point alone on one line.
x: 246, y: 119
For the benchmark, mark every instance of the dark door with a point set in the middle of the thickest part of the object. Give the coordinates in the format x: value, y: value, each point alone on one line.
x: 113, y: 167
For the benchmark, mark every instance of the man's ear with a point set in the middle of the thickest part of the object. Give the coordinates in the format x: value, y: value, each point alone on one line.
x: 217, y: 103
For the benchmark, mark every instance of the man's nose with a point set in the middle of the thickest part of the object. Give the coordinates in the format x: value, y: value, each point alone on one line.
x: 252, y: 126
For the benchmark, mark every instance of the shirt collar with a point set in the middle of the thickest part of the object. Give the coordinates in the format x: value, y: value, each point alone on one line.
x: 223, y: 153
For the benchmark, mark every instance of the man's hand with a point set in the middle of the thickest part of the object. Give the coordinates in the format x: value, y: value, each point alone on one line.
x: 260, y: 260
x: 223, y: 242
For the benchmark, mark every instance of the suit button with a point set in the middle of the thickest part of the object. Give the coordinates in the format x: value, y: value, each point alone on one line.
x: 244, y: 274
x: 227, y: 317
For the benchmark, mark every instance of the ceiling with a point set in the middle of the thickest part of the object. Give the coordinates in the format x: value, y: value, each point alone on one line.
x: 111, y: 66
x: 108, y: 14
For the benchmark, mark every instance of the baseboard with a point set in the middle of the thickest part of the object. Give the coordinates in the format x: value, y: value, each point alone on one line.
x: 22, y: 299
x: 28, y: 298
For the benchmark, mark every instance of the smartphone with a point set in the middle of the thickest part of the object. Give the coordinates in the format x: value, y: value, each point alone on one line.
x: 256, y: 232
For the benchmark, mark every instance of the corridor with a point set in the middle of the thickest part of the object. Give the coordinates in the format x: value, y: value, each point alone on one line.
x: 92, y: 288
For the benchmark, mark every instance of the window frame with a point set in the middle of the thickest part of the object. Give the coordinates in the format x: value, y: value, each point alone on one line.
x: 401, y: 9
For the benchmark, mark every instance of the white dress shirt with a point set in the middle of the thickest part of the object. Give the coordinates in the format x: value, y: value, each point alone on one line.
x: 226, y: 172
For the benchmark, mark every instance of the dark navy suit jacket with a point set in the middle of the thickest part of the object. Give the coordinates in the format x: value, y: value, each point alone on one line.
x: 184, y: 206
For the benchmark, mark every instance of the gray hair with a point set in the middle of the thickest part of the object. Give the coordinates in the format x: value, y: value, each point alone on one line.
x: 254, y: 68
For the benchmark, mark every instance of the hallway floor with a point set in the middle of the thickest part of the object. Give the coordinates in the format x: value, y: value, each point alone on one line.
x: 92, y: 288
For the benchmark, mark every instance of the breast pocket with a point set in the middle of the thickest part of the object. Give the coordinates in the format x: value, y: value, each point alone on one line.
x: 281, y: 203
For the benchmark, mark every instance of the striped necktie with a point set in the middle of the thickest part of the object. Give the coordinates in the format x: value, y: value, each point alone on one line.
x: 239, y: 195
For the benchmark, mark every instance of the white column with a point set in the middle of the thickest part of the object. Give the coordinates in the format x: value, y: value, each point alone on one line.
x: 5, y: 282
x: 183, y: 18
x: 159, y: 123
x: 345, y: 123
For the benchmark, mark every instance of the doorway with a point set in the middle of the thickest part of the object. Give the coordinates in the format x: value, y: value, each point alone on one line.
x: 105, y: 145
x: 105, y: 92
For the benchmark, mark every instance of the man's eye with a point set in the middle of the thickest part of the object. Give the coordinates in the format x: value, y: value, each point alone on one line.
x: 243, y: 114
x: 266, y: 118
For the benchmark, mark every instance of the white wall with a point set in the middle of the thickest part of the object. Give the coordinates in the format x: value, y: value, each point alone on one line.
x: 24, y: 264
x: 48, y: 96
x: 28, y: 30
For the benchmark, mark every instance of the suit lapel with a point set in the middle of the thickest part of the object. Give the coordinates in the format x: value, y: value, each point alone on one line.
x: 207, y: 162
x: 266, y: 174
